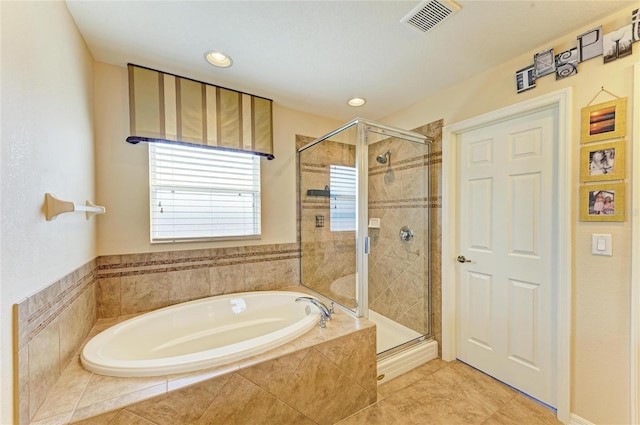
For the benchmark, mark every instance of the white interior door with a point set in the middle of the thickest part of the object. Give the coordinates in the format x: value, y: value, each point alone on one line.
x: 506, y: 198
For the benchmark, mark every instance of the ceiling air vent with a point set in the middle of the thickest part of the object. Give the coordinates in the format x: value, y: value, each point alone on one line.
x: 430, y: 13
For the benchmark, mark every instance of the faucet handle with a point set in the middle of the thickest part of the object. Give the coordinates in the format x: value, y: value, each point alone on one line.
x: 323, y: 322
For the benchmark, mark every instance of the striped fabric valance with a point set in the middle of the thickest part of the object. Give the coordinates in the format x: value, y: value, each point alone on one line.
x: 171, y: 109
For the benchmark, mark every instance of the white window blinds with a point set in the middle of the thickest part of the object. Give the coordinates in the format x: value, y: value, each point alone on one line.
x: 201, y: 193
x: 342, y: 181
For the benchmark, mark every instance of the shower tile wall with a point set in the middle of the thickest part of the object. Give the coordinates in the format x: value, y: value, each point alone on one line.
x: 398, y: 270
x: 326, y: 255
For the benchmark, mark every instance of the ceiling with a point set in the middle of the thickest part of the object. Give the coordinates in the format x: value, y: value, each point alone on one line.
x: 313, y: 56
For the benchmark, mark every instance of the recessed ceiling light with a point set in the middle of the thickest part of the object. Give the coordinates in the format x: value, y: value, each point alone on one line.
x: 218, y: 59
x: 357, y: 101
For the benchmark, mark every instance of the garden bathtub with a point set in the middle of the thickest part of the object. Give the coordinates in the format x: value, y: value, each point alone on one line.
x: 199, y: 334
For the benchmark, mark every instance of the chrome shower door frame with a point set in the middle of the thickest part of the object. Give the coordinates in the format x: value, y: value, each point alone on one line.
x: 363, y: 128
x: 362, y: 221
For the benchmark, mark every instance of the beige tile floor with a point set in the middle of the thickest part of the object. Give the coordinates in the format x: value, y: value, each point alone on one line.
x: 450, y: 393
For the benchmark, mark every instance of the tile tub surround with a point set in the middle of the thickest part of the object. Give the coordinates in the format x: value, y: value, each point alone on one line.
x: 49, y: 327
x: 319, y: 378
x: 135, y: 283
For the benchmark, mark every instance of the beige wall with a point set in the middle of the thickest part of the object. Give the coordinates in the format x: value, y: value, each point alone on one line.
x: 47, y: 146
x: 122, y: 173
x: 601, y: 287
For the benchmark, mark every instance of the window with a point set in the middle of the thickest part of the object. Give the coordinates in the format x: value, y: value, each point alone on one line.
x: 201, y: 193
x: 342, y: 181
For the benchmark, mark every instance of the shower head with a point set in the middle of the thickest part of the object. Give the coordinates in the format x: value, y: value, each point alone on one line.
x: 383, y: 159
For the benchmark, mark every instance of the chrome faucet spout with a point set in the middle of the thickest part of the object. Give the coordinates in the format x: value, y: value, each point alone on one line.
x: 326, y: 313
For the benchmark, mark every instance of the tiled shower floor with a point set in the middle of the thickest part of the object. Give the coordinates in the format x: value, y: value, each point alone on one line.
x: 442, y: 393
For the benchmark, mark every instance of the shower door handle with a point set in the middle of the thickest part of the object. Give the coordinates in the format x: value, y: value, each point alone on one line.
x: 366, y: 244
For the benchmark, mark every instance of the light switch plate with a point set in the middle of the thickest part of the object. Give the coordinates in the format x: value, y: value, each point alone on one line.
x: 601, y: 244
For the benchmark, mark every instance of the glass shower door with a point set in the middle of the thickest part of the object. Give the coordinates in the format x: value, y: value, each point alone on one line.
x: 327, y: 194
x: 364, y: 226
x: 399, y: 238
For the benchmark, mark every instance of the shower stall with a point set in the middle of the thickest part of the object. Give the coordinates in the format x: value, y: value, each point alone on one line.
x: 365, y: 234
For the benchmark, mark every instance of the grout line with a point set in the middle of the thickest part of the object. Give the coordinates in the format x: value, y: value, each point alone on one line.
x: 540, y: 402
x: 75, y: 406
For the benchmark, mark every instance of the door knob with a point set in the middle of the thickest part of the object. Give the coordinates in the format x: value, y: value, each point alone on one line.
x: 462, y: 259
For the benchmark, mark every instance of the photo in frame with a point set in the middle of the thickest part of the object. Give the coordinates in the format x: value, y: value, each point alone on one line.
x: 604, y: 121
x: 590, y: 44
x: 526, y: 78
x: 602, y: 161
x: 544, y: 63
x: 602, y: 202
x: 617, y: 44
x: 567, y: 64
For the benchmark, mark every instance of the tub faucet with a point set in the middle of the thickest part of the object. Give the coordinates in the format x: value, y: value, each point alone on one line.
x: 325, y: 313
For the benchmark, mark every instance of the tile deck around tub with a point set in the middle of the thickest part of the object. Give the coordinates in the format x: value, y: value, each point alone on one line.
x: 80, y: 394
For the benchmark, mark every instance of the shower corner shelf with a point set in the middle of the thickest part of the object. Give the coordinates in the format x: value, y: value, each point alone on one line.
x: 54, y: 207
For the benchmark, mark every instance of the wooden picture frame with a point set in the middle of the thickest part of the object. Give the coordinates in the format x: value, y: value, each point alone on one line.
x: 594, y: 205
x: 602, y: 161
x: 604, y: 121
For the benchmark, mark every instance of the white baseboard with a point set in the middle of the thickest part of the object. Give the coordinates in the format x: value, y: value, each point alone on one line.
x: 577, y: 420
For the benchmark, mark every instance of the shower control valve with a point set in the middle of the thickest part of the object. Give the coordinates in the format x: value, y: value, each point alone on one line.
x: 406, y: 234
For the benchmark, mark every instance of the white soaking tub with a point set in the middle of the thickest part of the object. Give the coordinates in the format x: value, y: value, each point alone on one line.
x: 199, y: 334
